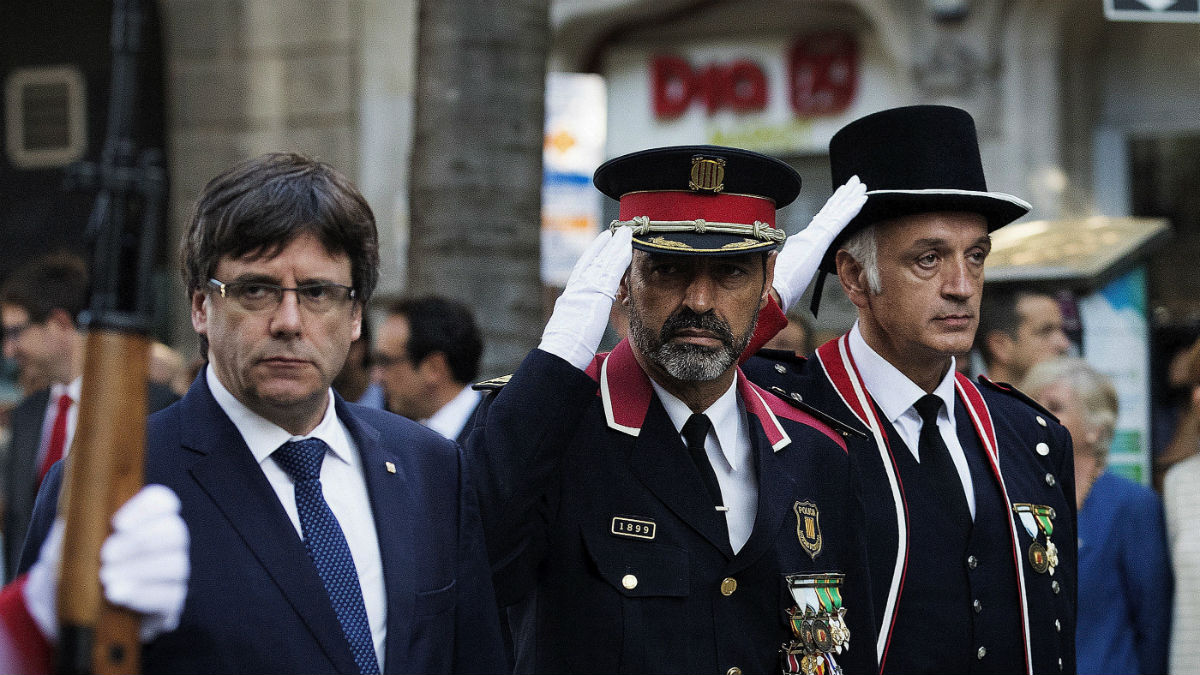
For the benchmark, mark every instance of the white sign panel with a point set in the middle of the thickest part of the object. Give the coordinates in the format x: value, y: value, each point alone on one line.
x: 1153, y: 10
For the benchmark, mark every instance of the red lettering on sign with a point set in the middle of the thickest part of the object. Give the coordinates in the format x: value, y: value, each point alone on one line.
x: 740, y: 86
x: 823, y: 74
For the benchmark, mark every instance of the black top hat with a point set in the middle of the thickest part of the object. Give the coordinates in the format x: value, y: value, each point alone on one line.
x: 699, y: 199
x: 915, y: 159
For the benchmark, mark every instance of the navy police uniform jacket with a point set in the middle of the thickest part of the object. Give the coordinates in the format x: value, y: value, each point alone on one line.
x: 607, y: 552
x: 255, y: 601
x: 987, y: 605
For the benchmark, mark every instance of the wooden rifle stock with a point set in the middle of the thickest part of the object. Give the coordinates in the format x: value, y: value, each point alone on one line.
x: 103, y: 470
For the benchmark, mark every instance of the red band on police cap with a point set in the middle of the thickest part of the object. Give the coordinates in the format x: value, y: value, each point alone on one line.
x: 715, y: 208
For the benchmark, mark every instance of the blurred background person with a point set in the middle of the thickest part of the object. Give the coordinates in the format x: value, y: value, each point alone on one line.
x: 1018, y: 328
x: 796, y: 336
x: 40, y: 306
x: 428, y: 355
x: 1125, y: 580
x: 1181, y: 500
x: 354, y: 381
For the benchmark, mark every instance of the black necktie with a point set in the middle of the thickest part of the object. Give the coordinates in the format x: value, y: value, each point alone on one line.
x: 694, y: 431
x: 936, y: 464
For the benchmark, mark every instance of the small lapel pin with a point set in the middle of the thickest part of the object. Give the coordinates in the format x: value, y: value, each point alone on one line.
x: 391, y: 468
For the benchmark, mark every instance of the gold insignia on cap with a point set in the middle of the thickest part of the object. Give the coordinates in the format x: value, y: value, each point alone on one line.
x: 708, y: 174
x: 808, y: 527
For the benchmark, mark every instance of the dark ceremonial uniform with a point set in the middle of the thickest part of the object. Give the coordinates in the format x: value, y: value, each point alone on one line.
x: 986, y: 605
x: 609, y: 553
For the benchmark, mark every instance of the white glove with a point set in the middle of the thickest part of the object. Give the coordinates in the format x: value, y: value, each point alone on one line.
x: 801, y: 255
x: 144, y: 565
x: 581, y: 312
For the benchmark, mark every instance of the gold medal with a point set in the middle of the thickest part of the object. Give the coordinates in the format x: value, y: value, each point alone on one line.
x: 808, y: 664
x: 1038, y: 557
x: 1051, y: 555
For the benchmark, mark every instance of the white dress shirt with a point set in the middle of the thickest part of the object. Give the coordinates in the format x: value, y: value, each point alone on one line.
x: 342, y: 484
x: 450, y: 419
x: 728, y: 448
x: 57, y: 390
x: 895, y: 395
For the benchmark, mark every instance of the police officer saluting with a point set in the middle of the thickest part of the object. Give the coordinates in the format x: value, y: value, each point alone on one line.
x: 651, y: 510
x: 969, y: 488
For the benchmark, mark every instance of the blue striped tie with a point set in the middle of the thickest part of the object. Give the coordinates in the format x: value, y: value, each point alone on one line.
x: 327, y: 546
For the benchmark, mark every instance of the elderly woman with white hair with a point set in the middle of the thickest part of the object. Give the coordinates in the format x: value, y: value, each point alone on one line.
x: 1125, y: 578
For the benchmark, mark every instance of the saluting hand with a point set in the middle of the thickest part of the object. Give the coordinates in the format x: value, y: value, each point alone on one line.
x: 581, y: 312
x: 801, y: 255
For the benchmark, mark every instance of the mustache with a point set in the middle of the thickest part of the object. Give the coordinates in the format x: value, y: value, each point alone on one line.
x: 687, y: 318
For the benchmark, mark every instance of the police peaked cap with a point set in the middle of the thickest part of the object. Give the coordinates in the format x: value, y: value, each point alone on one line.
x: 699, y: 199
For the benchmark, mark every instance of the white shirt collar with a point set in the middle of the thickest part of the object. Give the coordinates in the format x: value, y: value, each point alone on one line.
x: 72, y: 389
x: 450, y: 419
x: 725, y: 413
x: 893, y: 392
x: 264, y: 437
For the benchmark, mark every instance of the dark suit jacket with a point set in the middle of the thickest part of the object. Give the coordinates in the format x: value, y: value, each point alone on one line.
x: 1035, y: 466
x: 255, y: 602
x: 607, y: 551
x: 21, y: 465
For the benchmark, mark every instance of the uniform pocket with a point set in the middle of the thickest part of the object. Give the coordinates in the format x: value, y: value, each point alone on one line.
x: 639, y: 568
x: 429, y: 603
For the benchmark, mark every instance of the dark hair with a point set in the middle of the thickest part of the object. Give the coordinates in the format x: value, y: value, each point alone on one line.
x: 260, y: 206
x: 53, y: 281
x: 437, y: 324
x: 998, y: 312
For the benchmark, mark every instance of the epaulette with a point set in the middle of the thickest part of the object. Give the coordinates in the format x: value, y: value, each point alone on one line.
x: 837, y: 425
x: 1006, y: 388
x: 494, y: 384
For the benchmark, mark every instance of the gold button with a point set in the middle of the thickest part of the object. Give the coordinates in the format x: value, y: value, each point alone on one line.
x: 734, y: 671
x: 728, y: 586
x: 1041, y: 420
x: 1042, y: 449
x: 629, y: 582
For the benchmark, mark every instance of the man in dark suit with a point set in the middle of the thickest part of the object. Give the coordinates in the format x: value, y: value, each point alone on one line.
x: 969, y: 488
x: 428, y: 353
x: 326, y: 536
x: 650, y: 510
x: 40, y: 306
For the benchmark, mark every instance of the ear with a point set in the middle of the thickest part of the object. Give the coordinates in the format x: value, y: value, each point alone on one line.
x: 853, y: 278
x: 357, y: 319
x: 435, y: 367
x: 60, y: 319
x: 768, y: 279
x: 200, y: 312
x: 622, y: 295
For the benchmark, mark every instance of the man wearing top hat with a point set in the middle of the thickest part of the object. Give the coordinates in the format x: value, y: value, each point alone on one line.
x: 649, y: 509
x: 968, y: 487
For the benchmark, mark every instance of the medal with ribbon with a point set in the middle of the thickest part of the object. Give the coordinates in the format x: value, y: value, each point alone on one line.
x: 1039, y: 518
x: 818, y: 625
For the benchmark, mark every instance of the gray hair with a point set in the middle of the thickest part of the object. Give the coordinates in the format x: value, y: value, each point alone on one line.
x: 863, y: 247
x: 1095, y: 391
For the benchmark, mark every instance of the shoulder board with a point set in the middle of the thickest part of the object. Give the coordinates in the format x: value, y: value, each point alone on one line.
x: 837, y: 425
x: 1006, y: 388
x: 494, y: 384
x: 781, y: 355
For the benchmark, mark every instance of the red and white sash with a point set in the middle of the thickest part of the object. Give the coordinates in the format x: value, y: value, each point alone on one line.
x: 843, y: 375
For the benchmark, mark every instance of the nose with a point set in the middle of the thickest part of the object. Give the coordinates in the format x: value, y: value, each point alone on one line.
x: 285, y: 320
x: 961, y: 280
x: 699, y: 295
x: 1061, y: 342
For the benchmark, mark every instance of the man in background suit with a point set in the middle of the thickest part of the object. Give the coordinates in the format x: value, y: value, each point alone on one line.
x: 327, y: 537
x: 40, y: 306
x: 428, y: 354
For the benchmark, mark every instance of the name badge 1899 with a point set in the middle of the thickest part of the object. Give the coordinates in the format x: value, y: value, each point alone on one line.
x: 632, y: 527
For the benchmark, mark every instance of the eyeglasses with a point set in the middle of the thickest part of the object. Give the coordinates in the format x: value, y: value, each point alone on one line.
x: 258, y: 296
x: 387, y: 360
x: 14, y: 331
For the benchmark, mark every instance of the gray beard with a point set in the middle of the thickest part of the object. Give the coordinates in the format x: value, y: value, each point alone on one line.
x: 688, y: 362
